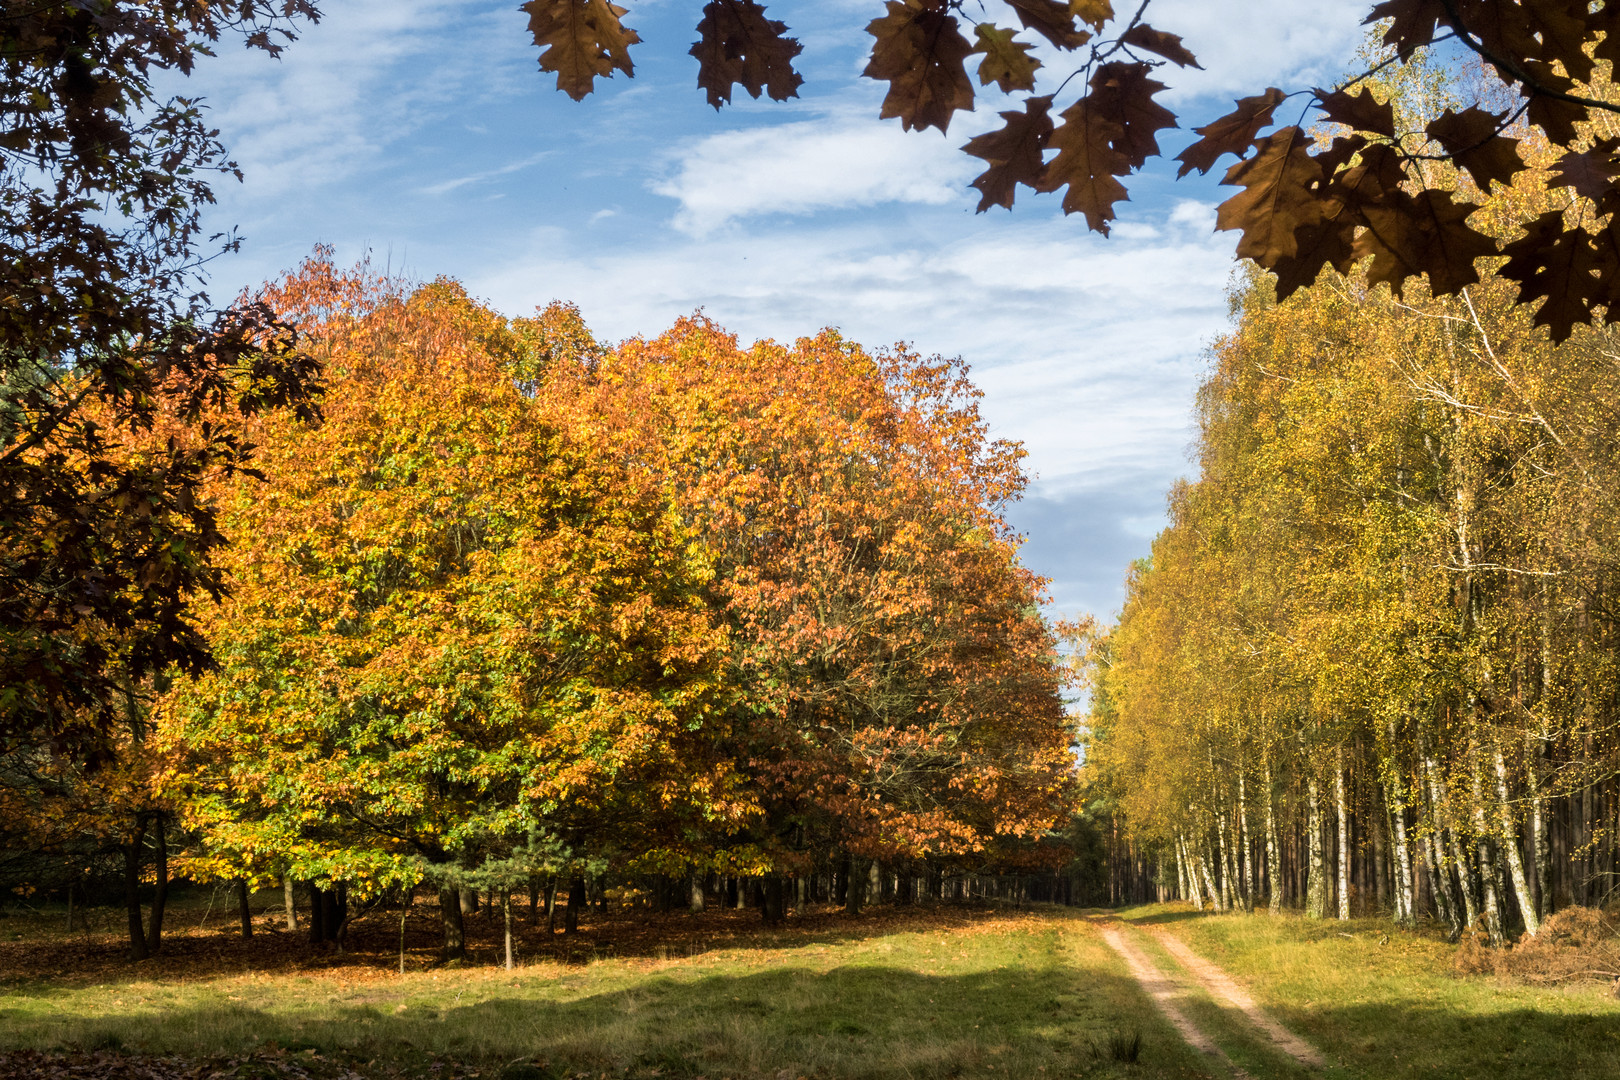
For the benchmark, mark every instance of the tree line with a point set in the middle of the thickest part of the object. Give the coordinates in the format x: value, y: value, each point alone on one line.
x: 1370, y: 663
x: 525, y: 612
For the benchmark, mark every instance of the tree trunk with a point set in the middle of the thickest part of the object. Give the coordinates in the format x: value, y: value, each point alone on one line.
x: 1342, y: 808
x: 1316, y: 882
x: 576, y: 904
x: 132, y: 894
x: 1209, y: 883
x: 1540, y: 848
x: 1251, y: 873
x: 317, y: 914
x: 1405, y: 900
x: 160, y: 891
x: 506, y: 916
x: 551, y: 905
x: 874, y: 882
x: 1273, y: 846
x: 455, y: 936
x: 244, y: 902
x: 1483, y: 848
x: 1462, y: 910
x: 774, y: 908
x: 1510, y: 844
x: 1195, y: 892
x: 287, y: 899
x: 694, y: 892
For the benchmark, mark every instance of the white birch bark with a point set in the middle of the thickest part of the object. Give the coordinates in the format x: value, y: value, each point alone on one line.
x: 1316, y: 873
x: 1250, y: 878
x: 1273, y: 847
x: 1196, y: 891
x: 1483, y: 848
x: 1343, y: 809
x: 1510, y: 844
x: 1395, y: 793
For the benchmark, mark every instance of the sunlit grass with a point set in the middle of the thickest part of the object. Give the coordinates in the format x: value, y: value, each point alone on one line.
x: 1028, y: 995
x: 1395, y: 1008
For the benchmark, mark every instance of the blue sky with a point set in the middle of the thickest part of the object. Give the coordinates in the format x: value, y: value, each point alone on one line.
x: 423, y: 131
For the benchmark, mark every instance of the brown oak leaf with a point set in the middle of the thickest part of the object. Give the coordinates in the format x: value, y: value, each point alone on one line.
x: 1426, y: 233
x: 1231, y: 134
x: 1006, y: 62
x: 1588, y: 172
x: 1169, y: 46
x: 922, y: 55
x: 1413, y: 23
x: 1014, y: 152
x: 1328, y: 242
x: 581, y: 39
x: 1123, y: 94
x: 737, y: 44
x: 1473, y: 139
x: 1094, y: 13
x: 1280, y: 197
x: 1088, y: 164
x: 1360, y: 112
x: 1554, y: 264
x: 1052, y: 20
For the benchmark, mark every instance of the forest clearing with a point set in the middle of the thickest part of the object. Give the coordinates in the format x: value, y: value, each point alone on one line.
x: 395, y: 687
x: 901, y: 991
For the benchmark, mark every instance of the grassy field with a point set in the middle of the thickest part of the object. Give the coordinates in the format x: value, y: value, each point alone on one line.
x: 947, y: 993
x: 897, y: 993
x: 1380, y: 1002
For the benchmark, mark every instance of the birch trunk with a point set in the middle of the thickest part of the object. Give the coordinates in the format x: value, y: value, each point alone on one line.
x: 1401, y: 857
x: 1209, y: 884
x: 1316, y: 879
x: 1225, y: 853
x: 1445, y: 839
x: 1184, y: 855
x: 1510, y: 844
x: 1540, y: 846
x: 1344, y: 834
x: 1181, y: 870
x: 1250, y: 879
x: 1483, y: 848
x: 1273, y: 847
x: 1405, y: 900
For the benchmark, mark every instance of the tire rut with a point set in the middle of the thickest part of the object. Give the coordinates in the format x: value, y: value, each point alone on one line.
x: 1222, y: 987
x: 1165, y: 993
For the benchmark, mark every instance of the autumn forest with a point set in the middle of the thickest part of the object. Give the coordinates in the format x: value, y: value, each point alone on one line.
x: 393, y: 686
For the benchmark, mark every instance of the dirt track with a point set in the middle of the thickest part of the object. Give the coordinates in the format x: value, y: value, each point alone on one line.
x: 1167, y: 992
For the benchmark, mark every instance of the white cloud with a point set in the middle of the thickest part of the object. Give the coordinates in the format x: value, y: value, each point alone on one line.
x: 444, y: 187
x: 369, y: 74
x: 843, y: 160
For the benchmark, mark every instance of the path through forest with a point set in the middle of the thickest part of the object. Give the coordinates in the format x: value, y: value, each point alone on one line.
x: 1168, y: 992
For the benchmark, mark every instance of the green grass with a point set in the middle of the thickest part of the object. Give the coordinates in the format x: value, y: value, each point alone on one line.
x: 895, y: 994
x: 1398, y: 1009
x: 1026, y: 996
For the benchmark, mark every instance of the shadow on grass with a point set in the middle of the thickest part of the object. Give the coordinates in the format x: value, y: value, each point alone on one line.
x: 42, y: 964
x: 851, y: 1022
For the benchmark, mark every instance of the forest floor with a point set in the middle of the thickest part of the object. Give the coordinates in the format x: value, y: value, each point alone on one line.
x: 947, y: 992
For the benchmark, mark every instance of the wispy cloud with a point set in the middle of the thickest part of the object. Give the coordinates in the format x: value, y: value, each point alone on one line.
x: 446, y: 186
x: 843, y: 160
